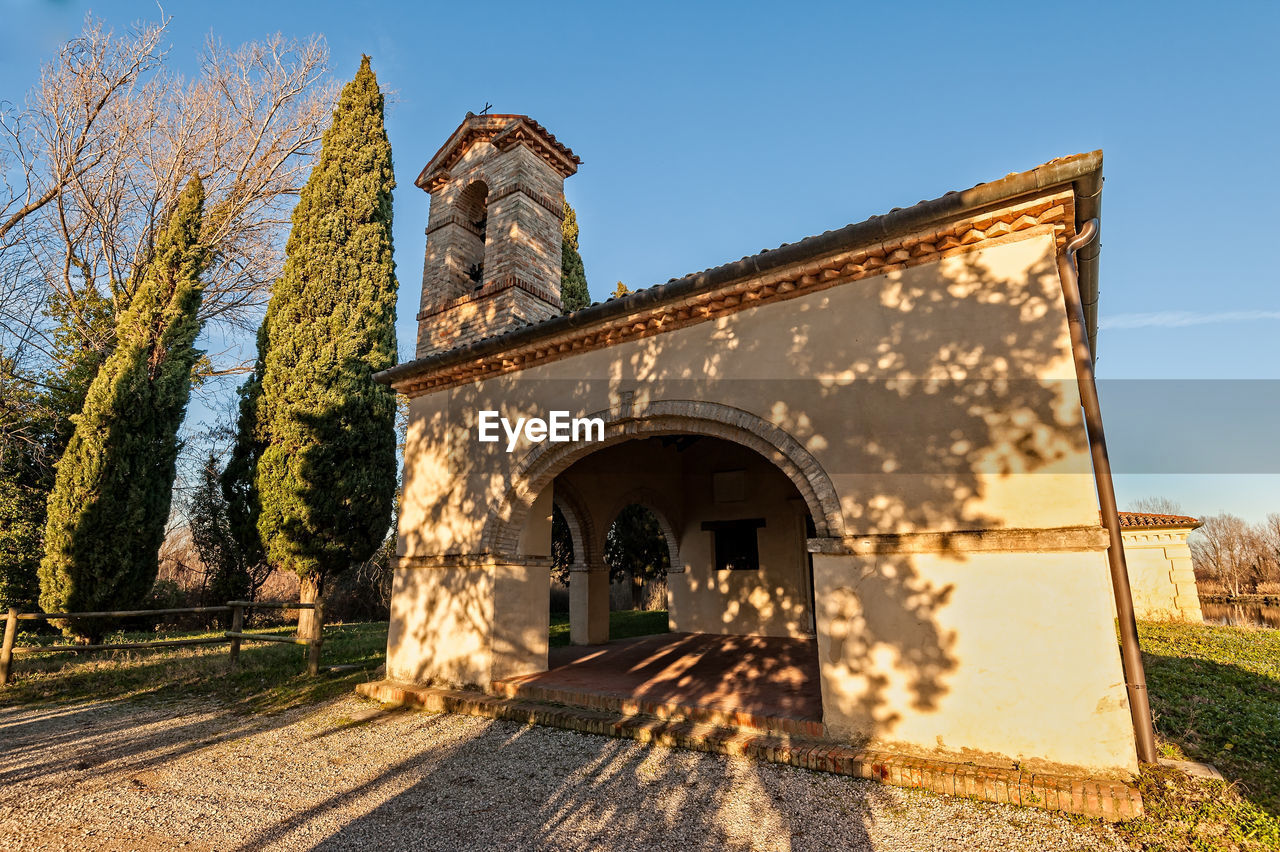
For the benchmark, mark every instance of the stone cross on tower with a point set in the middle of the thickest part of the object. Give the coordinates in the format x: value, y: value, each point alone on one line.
x: 493, y: 233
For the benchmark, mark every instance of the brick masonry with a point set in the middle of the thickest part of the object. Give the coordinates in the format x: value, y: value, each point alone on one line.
x: 492, y: 259
x: 758, y: 740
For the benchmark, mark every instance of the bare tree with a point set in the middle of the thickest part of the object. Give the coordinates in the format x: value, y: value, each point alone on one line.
x: 46, y: 151
x: 93, y: 162
x: 1228, y: 550
x: 1155, y: 506
x: 1268, y: 537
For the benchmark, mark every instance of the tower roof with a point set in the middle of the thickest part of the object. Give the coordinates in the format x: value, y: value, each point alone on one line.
x: 503, y: 131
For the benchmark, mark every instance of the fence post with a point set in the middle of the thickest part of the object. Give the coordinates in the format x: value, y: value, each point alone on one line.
x: 315, y: 639
x: 237, y: 626
x: 6, y: 650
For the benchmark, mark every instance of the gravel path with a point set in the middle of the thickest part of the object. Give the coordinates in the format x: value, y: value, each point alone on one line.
x: 343, y: 775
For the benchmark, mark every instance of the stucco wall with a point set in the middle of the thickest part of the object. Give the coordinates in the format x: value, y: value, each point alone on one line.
x: 940, y: 397
x: 773, y: 601
x: 1160, y: 574
x: 470, y: 624
x: 440, y: 628
x: 976, y: 656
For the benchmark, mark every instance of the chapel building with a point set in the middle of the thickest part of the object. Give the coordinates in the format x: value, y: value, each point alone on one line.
x: 865, y: 450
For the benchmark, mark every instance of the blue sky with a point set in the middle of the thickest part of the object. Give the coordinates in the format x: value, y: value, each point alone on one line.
x: 711, y: 131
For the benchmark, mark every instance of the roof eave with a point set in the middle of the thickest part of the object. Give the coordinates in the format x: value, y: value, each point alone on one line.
x: 1082, y: 171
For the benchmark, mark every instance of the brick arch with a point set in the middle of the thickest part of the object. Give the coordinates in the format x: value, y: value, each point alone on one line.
x: 655, y: 502
x: 472, y: 209
x: 666, y: 417
x: 473, y: 201
x: 578, y: 519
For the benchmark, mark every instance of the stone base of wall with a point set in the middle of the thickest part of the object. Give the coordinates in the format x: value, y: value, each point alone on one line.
x: 1108, y: 800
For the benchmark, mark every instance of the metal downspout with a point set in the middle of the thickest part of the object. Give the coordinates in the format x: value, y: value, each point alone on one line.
x: 1130, y: 653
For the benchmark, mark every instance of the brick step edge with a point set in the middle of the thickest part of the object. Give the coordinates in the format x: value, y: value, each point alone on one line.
x: 667, y: 712
x: 1105, y: 799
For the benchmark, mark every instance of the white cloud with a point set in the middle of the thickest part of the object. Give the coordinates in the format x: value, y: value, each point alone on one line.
x: 1178, y: 319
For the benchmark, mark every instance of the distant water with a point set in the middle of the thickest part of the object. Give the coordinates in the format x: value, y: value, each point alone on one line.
x: 1241, y: 615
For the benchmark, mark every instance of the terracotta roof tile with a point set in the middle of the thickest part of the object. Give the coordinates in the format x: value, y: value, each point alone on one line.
x: 1148, y: 520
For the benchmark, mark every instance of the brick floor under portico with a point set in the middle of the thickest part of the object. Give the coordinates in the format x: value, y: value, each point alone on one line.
x: 761, y: 682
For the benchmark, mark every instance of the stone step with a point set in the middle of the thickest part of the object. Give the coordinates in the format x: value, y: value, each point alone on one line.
x: 518, y: 688
x: 1105, y: 799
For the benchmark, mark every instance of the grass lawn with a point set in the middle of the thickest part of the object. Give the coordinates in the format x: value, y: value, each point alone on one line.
x: 623, y: 624
x: 269, y: 677
x: 1215, y: 695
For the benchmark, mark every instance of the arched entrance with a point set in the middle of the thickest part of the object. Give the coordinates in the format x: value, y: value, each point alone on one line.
x: 546, y: 461
x: 640, y: 546
x: 736, y: 501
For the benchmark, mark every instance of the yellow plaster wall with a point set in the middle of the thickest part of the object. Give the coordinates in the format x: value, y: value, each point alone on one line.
x: 1160, y: 575
x: 990, y: 657
x: 440, y: 628
x: 520, y: 632
x: 770, y: 602
x: 940, y: 397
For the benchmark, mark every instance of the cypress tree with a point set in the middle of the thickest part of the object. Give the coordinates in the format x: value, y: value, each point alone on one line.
x: 110, y: 500
x: 574, y: 294
x: 25, y: 433
x: 326, y: 474
x: 211, y: 535
x: 20, y: 514
x: 238, y: 480
x: 35, y: 426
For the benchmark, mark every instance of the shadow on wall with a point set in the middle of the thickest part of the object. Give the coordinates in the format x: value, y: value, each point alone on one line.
x: 924, y: 397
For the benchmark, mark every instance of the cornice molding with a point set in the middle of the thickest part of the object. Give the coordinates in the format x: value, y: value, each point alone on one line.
x: 493, y: 288
x: 1155, y: 537
x: 554, y: 206
x: 503, y: 132
x: 452, y: 218
x: 1051, y: 540
x: 520, y: 133
x: 466, y: 560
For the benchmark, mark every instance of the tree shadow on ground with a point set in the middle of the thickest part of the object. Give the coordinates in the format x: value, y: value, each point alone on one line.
x: 520, y: 787
x: 1221, y: 714
x: 343, y: 775
x: 97, y: 734
x: 45, y: 709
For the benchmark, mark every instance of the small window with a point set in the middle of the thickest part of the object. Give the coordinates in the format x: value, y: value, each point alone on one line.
x: 736, y: 548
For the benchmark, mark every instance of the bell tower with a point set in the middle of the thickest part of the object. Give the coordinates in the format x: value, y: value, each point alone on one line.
x: 493, y: 233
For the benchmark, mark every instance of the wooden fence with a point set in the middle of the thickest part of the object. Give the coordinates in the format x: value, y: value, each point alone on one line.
x: 232, y: 637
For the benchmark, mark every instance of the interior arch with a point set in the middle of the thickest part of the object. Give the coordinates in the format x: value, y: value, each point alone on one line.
x: 668, y: 417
